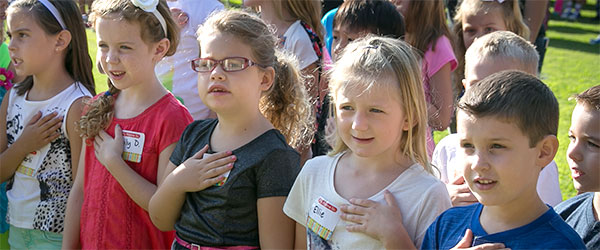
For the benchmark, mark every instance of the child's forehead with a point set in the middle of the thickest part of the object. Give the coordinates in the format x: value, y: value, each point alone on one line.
x: 488, y: 126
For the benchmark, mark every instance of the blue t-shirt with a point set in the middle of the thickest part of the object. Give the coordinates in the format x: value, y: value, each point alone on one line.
x: 327, y: 22
x: 548, y: 231
x: 578, y: 212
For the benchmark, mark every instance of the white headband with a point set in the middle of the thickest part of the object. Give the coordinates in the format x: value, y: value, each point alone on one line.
x: 54, y: 12
x: 150, y: 6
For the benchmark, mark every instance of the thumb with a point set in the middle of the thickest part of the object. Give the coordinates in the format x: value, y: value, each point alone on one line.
x: 458, y: 180
x: 118, y: 131
x: 466, y: 240
x: 200, y: 154
x: 390, y: 199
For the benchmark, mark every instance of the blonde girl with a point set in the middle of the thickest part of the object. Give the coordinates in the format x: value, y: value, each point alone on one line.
x: 228, y: 177
x: 131, y: 130
x: 426, y: 30
x: 379, y: 153
x: 39, y: 140
x: 475, y: 18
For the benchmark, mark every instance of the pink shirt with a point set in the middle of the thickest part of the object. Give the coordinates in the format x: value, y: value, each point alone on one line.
x: 433, y: 61
x: 110, y: 219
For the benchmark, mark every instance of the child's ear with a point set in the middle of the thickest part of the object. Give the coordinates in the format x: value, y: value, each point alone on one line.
x: 161, y: 48
x: 267, y: 79
x: 63, y: 39
x: 547, y: 150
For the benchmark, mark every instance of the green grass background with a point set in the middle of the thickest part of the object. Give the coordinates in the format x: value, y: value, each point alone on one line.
x: 571, y: 66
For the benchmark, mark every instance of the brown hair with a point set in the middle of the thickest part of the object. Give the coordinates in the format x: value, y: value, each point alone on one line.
x: 590, y: 97
x: 513, y: 20
x: 100, y: 110
x: 286, y: 104
x: 425, y: 23
x: 517, y: 97
x: 377, y: 17
x: 308, y: 11
x: 362, y: 65
x: 77, y: 59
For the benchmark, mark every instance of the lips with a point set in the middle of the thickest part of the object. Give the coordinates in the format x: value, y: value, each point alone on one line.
x: 16, y: 61
x: 576, y: 173
x: 217, y: 89
x: 362, y: 140
x: 116, y: 75
x: 484, y: 183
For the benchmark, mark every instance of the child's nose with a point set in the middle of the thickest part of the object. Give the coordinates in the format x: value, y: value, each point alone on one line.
x: 111, y: 57
x: 479, y: 161
x: 573, y: 151
x: 217, y: 74
x: 359, y: 122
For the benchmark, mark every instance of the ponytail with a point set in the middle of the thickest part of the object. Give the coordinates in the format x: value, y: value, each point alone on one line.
x: 287, y: 105
x: 98, y: 112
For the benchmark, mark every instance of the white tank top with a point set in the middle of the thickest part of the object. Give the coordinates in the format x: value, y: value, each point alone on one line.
x: 37, y: 193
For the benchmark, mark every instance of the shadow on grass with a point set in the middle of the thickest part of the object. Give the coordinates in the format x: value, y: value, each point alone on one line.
x: 573, y: 45
x: 570, y: 29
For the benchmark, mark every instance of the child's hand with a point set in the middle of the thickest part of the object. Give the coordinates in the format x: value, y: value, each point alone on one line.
x: 198, y: 173
x: 380, y: 221
x: 459, y: 192
x: 40, y: 131
x: 108, y: 149
x: 467, y: 240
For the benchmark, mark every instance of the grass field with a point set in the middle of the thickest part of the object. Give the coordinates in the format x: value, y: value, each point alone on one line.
x: 571, y: 66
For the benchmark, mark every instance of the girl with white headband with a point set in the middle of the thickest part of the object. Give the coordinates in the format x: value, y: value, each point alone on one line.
x: 39, y: 141
x: 130, y: 130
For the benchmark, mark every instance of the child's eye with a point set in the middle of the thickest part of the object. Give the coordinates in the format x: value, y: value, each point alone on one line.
x: 124, y: 47
x: 8, y: 34
x: 593, y: 145
x: 489, y: 30
x: 466, y: 145
x: 22, y: 35
x: 346, y: 107
x: 376, y: 110
x: 469, y: 31
x: 335, y: 37
x: 571, y: 138
x: 497, y: 146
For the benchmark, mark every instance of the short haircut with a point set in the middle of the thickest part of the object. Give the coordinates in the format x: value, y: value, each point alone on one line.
x: 504, y: 45
x: 590, y: 97
x: 374, y: 16
x: 517, y: 97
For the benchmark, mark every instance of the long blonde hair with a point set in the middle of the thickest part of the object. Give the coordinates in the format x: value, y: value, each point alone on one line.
x: 286, y: 104
x: 361, y: 67
x: 100, y: 110
x: 513, y: 20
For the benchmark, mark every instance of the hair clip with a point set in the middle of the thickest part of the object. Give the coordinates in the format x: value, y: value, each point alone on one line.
x: 107, y: 93
x: 150, y: 7
x: 54, y: 12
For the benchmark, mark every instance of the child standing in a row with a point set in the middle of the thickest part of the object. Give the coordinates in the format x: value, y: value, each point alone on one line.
x: 379, y: 154
x: 111, y: 193
x: 39, y: 140
x: 229, y: 176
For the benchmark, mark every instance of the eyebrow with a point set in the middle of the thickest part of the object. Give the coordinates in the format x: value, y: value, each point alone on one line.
x: 19, y: 30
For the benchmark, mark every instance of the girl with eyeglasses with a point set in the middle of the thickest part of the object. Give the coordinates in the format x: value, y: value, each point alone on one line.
x: 229, y: 177
x: 130, y: 130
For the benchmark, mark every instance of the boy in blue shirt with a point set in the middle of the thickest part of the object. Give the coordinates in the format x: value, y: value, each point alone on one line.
x: 507, y: 126
x: 583, y: 155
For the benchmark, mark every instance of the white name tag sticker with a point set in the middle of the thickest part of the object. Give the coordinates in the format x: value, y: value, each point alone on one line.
x: 133, y: 146
x: 30, y: 163
x: 322, y: 218
x: 226, y: 174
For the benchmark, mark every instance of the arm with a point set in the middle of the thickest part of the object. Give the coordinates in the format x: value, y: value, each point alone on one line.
x: 275, y: 229
x: 440, y: 109
x: 74, y: 204
x: 195, y: 174
x: 75, y: 141
x: 300, y: 238
x: 534, y: 14
x: 37, y: 133
x: 380, y: 221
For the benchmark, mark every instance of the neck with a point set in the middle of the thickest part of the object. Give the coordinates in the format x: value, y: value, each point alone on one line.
x: 380, y: 163
x: 512, y: 214
x: 133, y: 100
x: 596, y: 206
x: 269, y: 14
x: 241, y: 123
x: 50, y: 82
